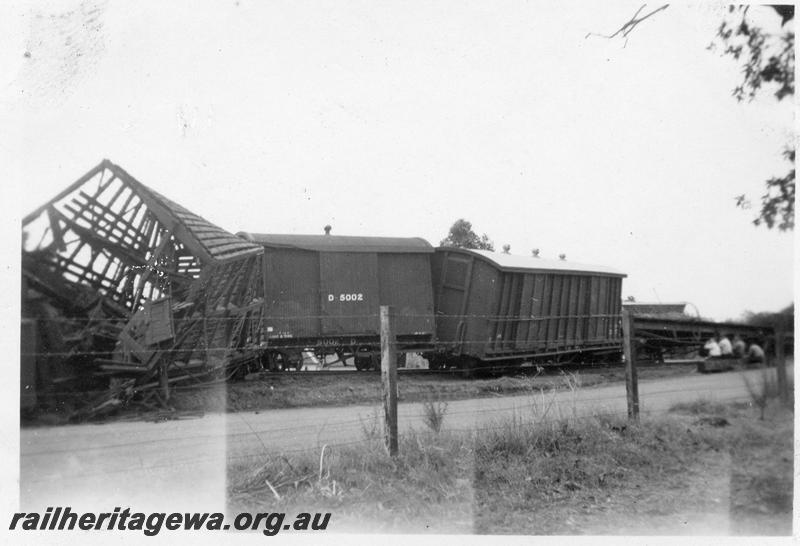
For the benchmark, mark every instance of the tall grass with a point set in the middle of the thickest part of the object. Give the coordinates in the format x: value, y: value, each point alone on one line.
x: 493, y: 479
x: 429, y: 483
x: 433, y: 412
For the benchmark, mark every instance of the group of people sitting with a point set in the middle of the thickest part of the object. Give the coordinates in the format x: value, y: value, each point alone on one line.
x: 722, y: 347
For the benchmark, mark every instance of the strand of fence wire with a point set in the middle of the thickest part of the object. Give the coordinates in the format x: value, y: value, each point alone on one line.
x: 285, y: 318
x: 359, y: 340
x: 513, y: 399
x: 226, y: 459
x: 576, y: 346
x: 569, y: 340
x: 244, y: 309
x: 347, y: 372
x: 573, y: 418
x: 537, y: 393
x: 221, y: 383
x: 335, y: 425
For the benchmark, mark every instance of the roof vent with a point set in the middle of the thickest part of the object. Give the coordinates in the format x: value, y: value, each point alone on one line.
x: 328, y: 229
x: 506, y: 249
x: 562, y: 257
x: 535, y: 252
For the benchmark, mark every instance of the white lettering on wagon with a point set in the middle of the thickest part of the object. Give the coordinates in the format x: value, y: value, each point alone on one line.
x: 346, y: 297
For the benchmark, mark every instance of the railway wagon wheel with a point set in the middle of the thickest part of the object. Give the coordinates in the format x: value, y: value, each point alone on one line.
x: 362, y: 363
x: 435, y: 361
x: 372, y: 361
x: 468, y: 366
x: 363, y: 359
x: 282, y: 361
x: 274, y: 361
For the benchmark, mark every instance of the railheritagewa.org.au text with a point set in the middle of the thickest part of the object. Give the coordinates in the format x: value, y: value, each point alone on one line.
x: 64, y: 519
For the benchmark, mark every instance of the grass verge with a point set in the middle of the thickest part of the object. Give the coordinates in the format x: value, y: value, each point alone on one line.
x: 701, y: 468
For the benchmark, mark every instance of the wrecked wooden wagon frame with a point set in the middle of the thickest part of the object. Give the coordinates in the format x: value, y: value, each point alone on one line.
x: 125, y: 290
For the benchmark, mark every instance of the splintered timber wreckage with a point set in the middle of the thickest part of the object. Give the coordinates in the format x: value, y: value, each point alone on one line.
x: 125, y: 292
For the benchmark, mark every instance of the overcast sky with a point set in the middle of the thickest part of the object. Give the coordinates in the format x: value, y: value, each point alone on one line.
x: 397, y: 118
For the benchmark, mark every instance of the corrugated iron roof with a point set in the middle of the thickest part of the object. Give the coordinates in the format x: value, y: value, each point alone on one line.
x: 340, y: 243
x: 511, y: 262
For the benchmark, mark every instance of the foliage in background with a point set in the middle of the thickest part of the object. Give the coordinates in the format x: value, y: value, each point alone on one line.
x: 767, y: 62
x: 766, y: 319
x: 767, y: 58
x: 462, y: 236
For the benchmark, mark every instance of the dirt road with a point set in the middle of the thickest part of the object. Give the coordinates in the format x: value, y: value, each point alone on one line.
x: 181, y: 464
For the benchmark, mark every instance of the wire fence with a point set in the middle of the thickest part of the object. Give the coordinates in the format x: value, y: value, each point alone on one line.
x: 245, y: 440
x: 297, y: 430
x: 564, y: 344
x: 225, y: 459
x: 514, y: 335
x: 347, y: 372
x: 257, y: 443
x: 292, y: 318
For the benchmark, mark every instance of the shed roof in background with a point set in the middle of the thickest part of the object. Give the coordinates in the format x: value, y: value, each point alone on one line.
x: 655, y: 308
x: 511, y: 262
x: 340, y: 243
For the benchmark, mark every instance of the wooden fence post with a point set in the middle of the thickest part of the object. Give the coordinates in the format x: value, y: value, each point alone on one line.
x: 780, y: 362
x: 631, y: 378
x: 389, y: 378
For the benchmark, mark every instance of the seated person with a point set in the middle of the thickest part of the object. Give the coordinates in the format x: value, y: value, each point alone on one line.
x: 739, y: 346
x: 725, y: 347
x: 711, y: 348
x: 755, y: 354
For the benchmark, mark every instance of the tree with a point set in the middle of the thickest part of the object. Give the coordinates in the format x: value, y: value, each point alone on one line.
x: 777, y: 204
x: 767, y: 61
x: 768, y: 319
x: 768, y: 58
x: 462, y: 236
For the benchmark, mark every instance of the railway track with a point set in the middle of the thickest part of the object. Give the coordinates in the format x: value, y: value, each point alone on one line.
x: 546, y: 369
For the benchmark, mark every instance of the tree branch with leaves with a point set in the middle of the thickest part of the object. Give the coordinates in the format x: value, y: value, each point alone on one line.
x: 767, y: 63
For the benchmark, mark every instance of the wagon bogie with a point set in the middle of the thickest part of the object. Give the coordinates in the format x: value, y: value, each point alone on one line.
x: 370, y: 359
